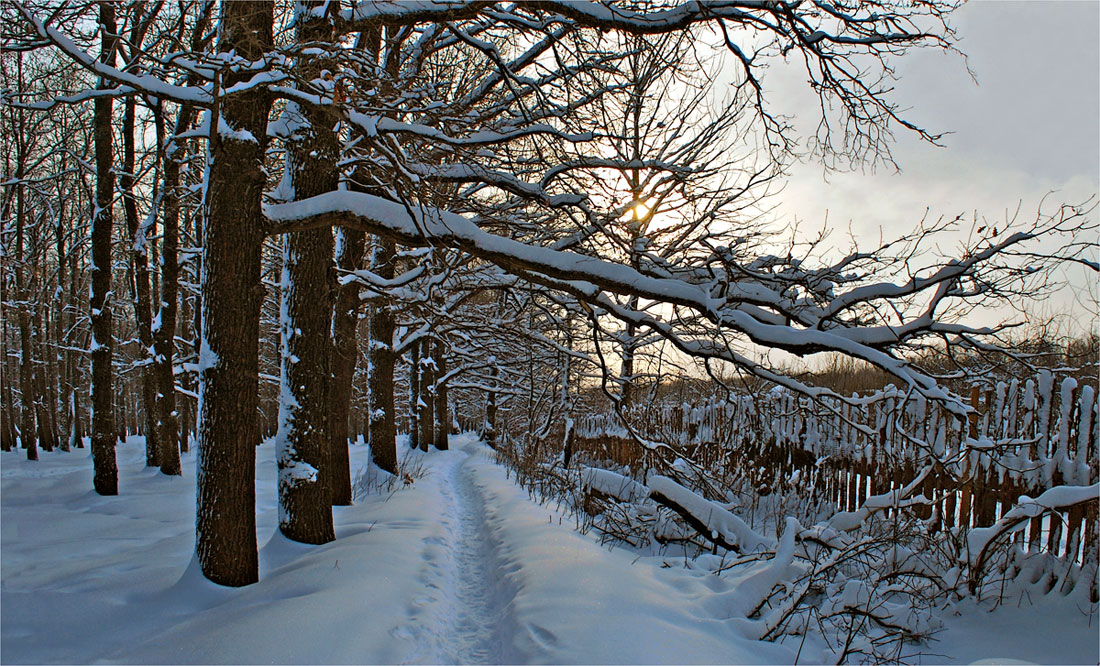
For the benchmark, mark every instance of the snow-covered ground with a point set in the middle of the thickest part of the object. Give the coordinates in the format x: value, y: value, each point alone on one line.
x: 461, y: 566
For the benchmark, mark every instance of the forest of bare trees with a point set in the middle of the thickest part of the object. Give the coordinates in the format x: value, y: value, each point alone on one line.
x: 314, y: 221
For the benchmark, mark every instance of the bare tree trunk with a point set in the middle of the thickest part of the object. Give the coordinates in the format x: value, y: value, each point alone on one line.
x: 191, y: 320
x: 28, y: 435
x: 60, y: 360
x: 105, y: 478
x: 44, y: 404
x: 169, y: 441
x: 75, y: 365
x: 305, y: 499
x: 383, y: 431
x: 140, y: 290
x: 345, y: 320
x: 228, y: 428
x: 8, y: 434
x: 414, y: 396
x: 164, y: 331
x: 442, y: 415
x: 426, y: 403
x: 630, y: 345
x: 382, y: 413
x: 77, y: 434
x: 305, y: 469
x: 491, y: 407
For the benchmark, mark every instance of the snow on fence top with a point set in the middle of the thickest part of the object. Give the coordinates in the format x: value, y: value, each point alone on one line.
x: 1028, y: 437
x: 1036, y: 434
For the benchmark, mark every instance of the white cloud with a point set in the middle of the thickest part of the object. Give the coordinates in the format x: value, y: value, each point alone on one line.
x: 1026, y: 135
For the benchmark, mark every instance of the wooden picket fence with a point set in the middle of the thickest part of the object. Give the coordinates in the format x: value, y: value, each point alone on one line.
x: 1019, y: 438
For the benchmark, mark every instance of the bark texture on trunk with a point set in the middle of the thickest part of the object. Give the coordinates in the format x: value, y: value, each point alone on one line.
x: 105, y: 476
x: 164, y: 334
x: 345, y: 321
x: 305, y: 499
x: 228, y: 428
x: 306, y: 472
x: 383, y: 430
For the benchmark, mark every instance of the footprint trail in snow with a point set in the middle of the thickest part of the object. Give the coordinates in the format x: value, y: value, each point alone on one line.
x: 463, y: 617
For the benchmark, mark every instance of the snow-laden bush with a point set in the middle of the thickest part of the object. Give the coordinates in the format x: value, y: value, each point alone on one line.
x: 870, y: 583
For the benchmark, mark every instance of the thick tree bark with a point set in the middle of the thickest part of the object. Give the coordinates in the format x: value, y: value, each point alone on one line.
x: 304, y: 456
x: 305, y: 499
x: 345, y: 320
x: 140, y: 290
x: 228, y: 428
x: 383, y: 431
x: 105, y: 477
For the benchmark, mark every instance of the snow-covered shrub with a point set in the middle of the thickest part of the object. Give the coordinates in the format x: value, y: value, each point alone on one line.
x: 859, y: 522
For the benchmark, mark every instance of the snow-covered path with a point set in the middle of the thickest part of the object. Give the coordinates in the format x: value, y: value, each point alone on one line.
x: 459, y: 567
x: 463, y: 616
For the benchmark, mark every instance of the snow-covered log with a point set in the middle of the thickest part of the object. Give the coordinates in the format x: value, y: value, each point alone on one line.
x: 714, y: 522
x: 610, y: 484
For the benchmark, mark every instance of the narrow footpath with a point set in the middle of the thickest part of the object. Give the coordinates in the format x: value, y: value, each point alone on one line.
x: 463, y: 616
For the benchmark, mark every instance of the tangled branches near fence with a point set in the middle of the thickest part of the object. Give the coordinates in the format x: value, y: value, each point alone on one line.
x: 909, y: 506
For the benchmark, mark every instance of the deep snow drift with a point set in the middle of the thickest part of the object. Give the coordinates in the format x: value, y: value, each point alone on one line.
x: 460, y: 566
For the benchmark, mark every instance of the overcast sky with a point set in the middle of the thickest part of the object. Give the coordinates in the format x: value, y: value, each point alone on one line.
x: 1030, y: 125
